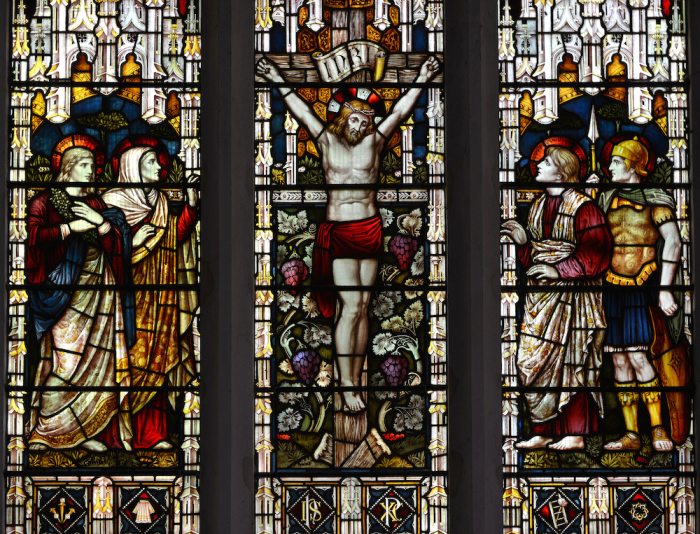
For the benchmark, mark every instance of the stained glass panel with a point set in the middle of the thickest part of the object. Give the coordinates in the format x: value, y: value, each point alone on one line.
x: 596, y: 267
x: 103, y: 327
x: 351, y: 428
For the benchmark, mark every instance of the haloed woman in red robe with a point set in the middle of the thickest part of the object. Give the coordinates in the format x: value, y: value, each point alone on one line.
x: 164, y: 253
x: 74, y: 240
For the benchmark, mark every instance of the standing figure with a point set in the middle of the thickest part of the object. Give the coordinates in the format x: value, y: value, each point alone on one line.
x: 646, y: 237
x: 164, y: 254
x: 561, y: 338
x: 348, y: 245
x: 83, y: 331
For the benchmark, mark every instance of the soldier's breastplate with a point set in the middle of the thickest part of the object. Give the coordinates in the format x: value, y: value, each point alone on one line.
x: 634, y: 238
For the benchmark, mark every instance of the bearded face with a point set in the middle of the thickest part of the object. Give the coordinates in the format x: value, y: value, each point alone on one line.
x: 356, y: 128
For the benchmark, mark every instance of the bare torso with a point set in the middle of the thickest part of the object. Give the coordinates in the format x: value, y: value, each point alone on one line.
x: 347, y: 165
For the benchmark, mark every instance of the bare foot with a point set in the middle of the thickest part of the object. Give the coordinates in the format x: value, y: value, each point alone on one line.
x: 538, y: 442
x: 37, y: 447
x: 569, y: 443
x: 163, y: 445
x: 353, y: 402
x: 628, y: 442
x: 94, y: 446
x: 660, y: 439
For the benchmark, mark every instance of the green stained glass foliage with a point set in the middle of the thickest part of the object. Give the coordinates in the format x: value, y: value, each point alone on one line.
x: 596, y: 294
x: 104, y: 204
x: 351, y: 289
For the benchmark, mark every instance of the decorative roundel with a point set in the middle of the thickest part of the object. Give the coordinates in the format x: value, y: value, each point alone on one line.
x: 363, y: 94
x: 565, y: 142
x: 137, y: 141
x: 626, y: 136
x: 79, y: 141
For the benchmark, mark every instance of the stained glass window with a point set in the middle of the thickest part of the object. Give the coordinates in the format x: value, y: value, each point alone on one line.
x: 596, y: 267
x: 350, y: 414
x: 103, y: 333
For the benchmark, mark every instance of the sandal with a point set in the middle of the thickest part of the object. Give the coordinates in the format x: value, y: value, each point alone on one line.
x: 629, y: 442
x: 658, y: 434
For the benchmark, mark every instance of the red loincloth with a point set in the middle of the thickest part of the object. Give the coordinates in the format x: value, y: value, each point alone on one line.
x: 334, y: 240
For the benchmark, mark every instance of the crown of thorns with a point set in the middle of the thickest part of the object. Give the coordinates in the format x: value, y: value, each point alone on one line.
x: 368, y: 112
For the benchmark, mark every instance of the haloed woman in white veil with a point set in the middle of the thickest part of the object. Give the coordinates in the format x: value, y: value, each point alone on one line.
x: 164, y: 253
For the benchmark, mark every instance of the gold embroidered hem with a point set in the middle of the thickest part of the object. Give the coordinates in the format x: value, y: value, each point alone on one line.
x: 106, y: 409
x: 638, y: 280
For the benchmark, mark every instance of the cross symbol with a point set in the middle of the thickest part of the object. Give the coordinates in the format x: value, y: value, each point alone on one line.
x: 16, y: 72
x: 658, y: 37
x: 526, y: 35
x: 192, y: 19
x: 439, y: 145
x: 196, y: 75
x: 676, y: 20
x: 173, y: 38
x: 503, y: 76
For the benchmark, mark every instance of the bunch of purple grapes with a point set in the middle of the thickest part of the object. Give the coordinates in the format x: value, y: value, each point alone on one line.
x: 394, y: 368
x: 306, y: 364
x: 294, y: 272
x: 403, y: 247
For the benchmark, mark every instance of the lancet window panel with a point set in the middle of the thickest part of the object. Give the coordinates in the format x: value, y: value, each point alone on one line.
x: 596, y: 267
x: 351, y: 400
x: 103, y: 267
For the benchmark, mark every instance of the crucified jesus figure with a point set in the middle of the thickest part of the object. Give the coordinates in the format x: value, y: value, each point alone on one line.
x: 348, y: 245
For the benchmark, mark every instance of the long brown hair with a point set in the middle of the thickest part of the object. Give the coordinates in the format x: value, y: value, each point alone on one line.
x: 341, y: 121
x: 70, y: 159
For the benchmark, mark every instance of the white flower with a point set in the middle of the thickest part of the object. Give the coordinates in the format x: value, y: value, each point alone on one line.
x: 384, y: 343
x: 398, y: 174
x: 418, y: 265
x: 387, y: 217
x: 286, y: 300
x: 302, y: 169
x: 288, y: 420
x: 419, y: 162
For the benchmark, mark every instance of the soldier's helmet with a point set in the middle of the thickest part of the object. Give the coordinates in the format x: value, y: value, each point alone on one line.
x: 635, y: 152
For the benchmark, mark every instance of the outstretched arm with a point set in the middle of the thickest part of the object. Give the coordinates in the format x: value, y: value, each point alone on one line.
x: 297, y: 106
x: 403, y: 107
